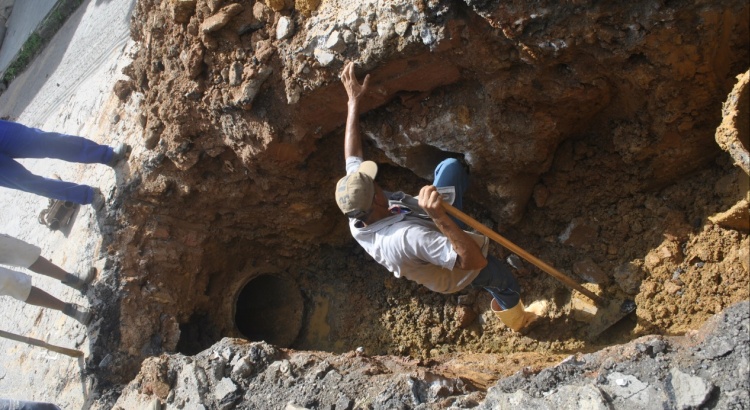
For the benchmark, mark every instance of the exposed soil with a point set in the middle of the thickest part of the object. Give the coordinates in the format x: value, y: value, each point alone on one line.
x: 706, y: 368
x: 589, y: 131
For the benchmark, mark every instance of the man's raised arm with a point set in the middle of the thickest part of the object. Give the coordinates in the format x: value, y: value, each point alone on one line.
x: 355, y: 91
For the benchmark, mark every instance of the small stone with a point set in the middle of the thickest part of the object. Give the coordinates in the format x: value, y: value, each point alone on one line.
x: 385, y: 29
x: 589, y: 271
x: 658, y: 346
x: 193, y: 60
x: 689, y: 391
x: 182, y: 10
x: 353, y: 20
x: 427, y: 37
x: 235, y: 73
x: 80, y: 339
x: 625, y: 385
x: 261, y: 12
x: 364, y: 30
x: 151, y: 138
x: 213, y: 5
x: 716, y: 349
x: 581, y: 308
x: 401, y: 27
x: 671, y: 287
x: 344, y: 403
x: 579, y: 232
x: 123, y: 89
x: 108, y: 359
x: 323, y: 57
x: 242, y: 368
x: 348, y: 36
x: 285, y: 367
x: 221, y: 19
x: 285, y: 28
x: 293, y: 94
x: 515, y: 262
x: 224, y: 388
x: 629, y: 276
x: 264, y: 50
x: 250, y: 88
x: 647, y: 349
x: 465, y: 316
x: 335, y: 42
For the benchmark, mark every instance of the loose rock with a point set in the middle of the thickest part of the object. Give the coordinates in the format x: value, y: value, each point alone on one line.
x: 284, y: 28
x: 220, y: 19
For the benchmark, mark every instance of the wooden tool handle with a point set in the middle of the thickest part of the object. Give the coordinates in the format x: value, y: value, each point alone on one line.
x: 41, y: 343
x: 520, y: 252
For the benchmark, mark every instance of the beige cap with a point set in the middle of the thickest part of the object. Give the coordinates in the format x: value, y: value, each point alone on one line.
x: 355, y: 192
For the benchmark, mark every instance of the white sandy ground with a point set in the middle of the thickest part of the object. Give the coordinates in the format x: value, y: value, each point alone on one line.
x: 68, y: 89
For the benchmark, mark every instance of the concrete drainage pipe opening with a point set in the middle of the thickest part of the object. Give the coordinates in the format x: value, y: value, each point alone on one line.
x: 269, y: 308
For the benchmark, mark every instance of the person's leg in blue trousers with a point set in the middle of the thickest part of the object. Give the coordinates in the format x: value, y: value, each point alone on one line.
x: 14, y: 175
x: 496, y: 277
x: 450, y: 172
x: 19, y: 141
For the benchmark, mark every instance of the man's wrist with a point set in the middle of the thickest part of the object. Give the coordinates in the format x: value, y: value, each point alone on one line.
x: 441, y: 218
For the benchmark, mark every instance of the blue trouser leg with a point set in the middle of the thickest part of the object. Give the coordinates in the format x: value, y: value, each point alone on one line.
x: 20, y: 141
x: 498, y: 279
x: 14, y: 175
x: 450, y: 172
x: 12, y: 404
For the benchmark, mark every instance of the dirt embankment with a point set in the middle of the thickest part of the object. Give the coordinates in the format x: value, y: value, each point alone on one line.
x: 704, y: 369
x: 589, y: 131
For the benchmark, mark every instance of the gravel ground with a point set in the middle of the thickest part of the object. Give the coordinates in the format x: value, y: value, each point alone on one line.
x: 68, y: 89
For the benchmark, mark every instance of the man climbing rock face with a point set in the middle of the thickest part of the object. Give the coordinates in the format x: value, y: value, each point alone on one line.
x: 423, y: 244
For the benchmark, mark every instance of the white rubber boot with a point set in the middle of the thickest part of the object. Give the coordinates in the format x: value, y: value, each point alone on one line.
x: 518, y: 317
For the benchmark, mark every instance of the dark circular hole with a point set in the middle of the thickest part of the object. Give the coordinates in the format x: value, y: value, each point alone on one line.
x: 269, y: 308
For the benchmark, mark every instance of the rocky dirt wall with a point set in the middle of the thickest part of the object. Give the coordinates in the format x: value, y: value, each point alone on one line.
x: 589, y: 131
x: 707, y: 368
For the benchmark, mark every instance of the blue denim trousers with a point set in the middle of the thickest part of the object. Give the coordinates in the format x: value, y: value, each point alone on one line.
x: 497, y: 277
x: 450, y: 172
x: 20, y: 141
